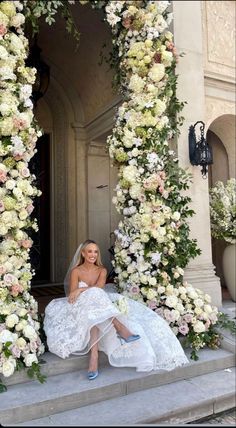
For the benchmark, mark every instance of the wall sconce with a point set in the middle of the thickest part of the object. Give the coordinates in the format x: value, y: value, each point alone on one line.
x: 200, y: 153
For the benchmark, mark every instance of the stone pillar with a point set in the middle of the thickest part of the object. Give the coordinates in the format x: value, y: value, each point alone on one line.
x: 188, y: 39
x: 81, y: 227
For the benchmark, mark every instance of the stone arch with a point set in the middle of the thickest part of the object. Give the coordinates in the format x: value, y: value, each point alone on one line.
x: 224, y: 128
x: 221, y: 137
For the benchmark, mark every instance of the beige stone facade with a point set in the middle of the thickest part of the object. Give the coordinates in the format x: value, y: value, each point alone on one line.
x: 78, y: 111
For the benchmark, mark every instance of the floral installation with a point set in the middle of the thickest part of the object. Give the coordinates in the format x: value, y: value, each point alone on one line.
x: 223, y: 210
x: 152, y: 245
x: 152, y: 241
x: 20, y: 343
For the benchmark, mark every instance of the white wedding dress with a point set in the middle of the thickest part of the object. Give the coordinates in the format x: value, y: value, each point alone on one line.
x: 67, y: 327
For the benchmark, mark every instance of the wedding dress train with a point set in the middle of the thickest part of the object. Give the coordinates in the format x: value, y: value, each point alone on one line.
x: 67, y: 327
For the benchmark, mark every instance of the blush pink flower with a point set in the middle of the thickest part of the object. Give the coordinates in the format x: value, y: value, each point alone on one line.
x: 26, y: 243
x: 19, y: 123
x: 16, y: 289
x: 183, y: 329
x: 134, y: 289
x: 25, y: 172
x: 3, y: 176
x: 188, y: 317
x: 3, y: 30
x: 29, y: 208
x: 2, y: 270
x: 152, y: 304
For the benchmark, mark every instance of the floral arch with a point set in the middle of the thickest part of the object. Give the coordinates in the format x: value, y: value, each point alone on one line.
x: 152, y: 241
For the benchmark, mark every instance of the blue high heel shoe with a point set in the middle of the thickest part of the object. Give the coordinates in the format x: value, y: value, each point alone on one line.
x: 129, y: 339
x: 92, y: 375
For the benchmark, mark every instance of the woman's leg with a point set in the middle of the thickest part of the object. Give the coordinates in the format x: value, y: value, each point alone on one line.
x: 93, y: 362
x: 121, y: 329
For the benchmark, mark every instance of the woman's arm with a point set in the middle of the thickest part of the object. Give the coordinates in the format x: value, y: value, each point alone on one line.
x: 73, y: 286
x: 102, y: 278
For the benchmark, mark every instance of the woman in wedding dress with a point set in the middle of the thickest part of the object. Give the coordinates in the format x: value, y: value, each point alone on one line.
x: 90, y: 319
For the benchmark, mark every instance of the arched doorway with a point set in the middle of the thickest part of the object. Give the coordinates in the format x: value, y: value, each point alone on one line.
x: 221, y: 137
x: 78, y: 113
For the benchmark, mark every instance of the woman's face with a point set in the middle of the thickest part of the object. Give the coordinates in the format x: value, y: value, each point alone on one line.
x: 90, y: 253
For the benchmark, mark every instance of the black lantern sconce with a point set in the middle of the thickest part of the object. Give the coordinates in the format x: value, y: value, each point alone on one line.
x: 200, y: 153
x: 42, y: 79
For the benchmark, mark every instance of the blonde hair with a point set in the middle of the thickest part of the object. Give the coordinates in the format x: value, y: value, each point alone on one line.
x: 81, y: 257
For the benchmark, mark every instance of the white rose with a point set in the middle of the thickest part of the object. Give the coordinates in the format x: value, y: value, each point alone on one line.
x: 151, y: 294
x: 198, y: 302
x: 30, y: 359
x: 143, y: 278
x: 157, y: 72
x: 21, y: 343
x: 29, y: 332
x: 8, y: 368
x: 198, y: 310
x: 7, y: 336
x: 152, y: 281
x: 208, y: 309
x: 11, y: 320
x: 171, y: 301
x: 199, y: 327
x: 22, y: 312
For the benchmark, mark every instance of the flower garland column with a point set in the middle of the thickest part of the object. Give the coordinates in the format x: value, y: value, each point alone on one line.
x: 20, y: 344
x: 152, y: 245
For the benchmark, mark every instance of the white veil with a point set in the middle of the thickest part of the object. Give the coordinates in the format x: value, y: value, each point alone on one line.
x: 72, y: 265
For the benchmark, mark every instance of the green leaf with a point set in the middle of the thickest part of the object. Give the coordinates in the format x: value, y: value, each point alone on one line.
x: 3, y: 387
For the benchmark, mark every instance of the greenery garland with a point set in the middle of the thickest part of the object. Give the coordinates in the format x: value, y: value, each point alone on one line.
x: 152, y: 242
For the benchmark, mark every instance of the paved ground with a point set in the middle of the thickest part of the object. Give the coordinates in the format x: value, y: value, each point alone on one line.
x: 225, y: 418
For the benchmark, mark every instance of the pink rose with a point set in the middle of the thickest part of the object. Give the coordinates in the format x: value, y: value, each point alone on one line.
x: 15, y: 351
x: 25, y: 172
x: 183, y: 329
x: 26, y: 243
x: 2, y: 270
x: 3, y: 176
x: 16, y: 289
x: 188, y: 317
x: 152, y: 304
x: 3, y: 30
x: 134, y: 289
x: 29, y: 208
x: 19, y: 123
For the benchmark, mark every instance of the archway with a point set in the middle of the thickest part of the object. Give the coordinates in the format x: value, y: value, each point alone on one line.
x: 78, y: 112
x: 221, y: 137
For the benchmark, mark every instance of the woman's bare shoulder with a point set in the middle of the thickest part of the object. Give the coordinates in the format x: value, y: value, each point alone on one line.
x: 75, y: 270
x: 102, y: 270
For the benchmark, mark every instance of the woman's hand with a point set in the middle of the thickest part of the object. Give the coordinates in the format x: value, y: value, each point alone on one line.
x: 73, y: 296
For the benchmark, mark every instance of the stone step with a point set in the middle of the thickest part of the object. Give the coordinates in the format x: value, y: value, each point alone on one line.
x: 52, y: 365
x: 177, y: 403
x: 67, y: 391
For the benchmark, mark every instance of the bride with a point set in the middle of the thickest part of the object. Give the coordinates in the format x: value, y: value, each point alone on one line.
x: 94, y: 319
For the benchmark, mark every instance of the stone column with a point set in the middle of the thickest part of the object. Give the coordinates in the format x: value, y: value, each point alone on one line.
x: 188, y: 39
x: 81, y: 227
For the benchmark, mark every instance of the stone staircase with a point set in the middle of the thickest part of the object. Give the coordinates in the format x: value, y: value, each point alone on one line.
x: 120, y: 395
